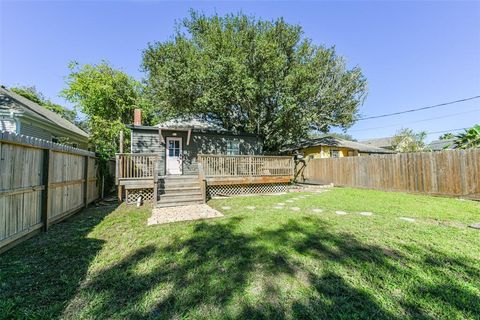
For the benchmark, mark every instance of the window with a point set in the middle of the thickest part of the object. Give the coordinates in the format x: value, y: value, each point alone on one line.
x: 334, y: 153
x: 55, y: 140
x: 173, y: 148
x: 233, y: 147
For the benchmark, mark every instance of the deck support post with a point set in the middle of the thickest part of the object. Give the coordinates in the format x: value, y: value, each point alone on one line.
x: 155, y: 181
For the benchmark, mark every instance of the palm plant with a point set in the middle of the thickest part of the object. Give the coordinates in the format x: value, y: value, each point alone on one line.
x: 468, y: 139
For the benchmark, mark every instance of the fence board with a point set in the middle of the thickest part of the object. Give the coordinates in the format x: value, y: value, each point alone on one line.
x: 449, y: 172
x: 25, y: 190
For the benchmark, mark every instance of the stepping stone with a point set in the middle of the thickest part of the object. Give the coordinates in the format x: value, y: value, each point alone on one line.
x: 366, y: 213
x: 290, y: 201
x: 279, y: 207
x: 407, y: 219
x: 317, y: 210
x: 342, y: 213
x: 226, y: 208
x: 295, y: 208
x: 280, y: 204
x: 251, y: 207
x: 301, y: 197
x: 475, y: 225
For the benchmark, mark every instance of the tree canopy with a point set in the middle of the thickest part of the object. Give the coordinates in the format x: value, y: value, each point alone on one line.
x: 107, y: 97
x: 407, y: 140
x: 31, y: 93
x: 252, y: 75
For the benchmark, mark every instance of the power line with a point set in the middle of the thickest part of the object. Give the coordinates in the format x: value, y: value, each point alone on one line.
x: 418, y: 109
x: 428, y: 133
x: 445, y: 131
x: 422, y: 120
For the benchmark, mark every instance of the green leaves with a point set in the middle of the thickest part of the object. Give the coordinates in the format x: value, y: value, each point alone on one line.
x: 468, y: 139
x: 107, y: 97
x: 252, y: 75
x: 406, y: 140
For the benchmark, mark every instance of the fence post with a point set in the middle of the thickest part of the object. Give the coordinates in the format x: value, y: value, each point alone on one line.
x: 85, y: 186
x: 47, y: 174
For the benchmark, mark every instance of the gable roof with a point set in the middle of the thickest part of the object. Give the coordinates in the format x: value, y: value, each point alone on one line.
x: 385, y: 142
x: 18, y: 102
x: 330, y: 141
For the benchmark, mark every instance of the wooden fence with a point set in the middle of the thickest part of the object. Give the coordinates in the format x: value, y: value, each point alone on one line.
x: 41, y: 183
x: 450, y: 172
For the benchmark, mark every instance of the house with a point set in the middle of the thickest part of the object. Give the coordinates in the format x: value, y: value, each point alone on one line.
x: 178, y: 142
x: 385, y: 143
x: 23, y: 116
x: 189, y: 159
x: 438, y: 145
x: 333, y: 147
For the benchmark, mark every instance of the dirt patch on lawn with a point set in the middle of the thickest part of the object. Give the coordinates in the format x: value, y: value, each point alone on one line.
x: 183, y: 213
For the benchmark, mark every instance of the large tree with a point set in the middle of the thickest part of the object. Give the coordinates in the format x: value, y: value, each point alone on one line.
x: 36, y: 96
x: 252, y: 75
x: 107, y: 97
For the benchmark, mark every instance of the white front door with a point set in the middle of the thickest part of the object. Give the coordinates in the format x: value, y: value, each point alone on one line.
x: 174, y: 155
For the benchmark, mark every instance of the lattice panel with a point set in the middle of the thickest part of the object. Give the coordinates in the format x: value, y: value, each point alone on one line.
x: 232, y: 190
x: 133, y: 194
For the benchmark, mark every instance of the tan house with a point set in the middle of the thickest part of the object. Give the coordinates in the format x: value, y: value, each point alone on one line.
x: 332, y: 147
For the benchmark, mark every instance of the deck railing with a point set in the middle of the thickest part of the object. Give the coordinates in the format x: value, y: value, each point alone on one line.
x: 135, y: 165
x: 246, y: 166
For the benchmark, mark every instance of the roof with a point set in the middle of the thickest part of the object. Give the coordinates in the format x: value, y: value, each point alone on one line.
x: 437, y: 145
x: 194, y: 123
x: 385, y: 142
x: 330, y: 141
x: 38, y: 111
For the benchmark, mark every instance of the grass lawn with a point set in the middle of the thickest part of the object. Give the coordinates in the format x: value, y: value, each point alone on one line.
x: 255, y: 263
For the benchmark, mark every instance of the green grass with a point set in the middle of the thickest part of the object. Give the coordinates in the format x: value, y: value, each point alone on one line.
x: 263, y: 263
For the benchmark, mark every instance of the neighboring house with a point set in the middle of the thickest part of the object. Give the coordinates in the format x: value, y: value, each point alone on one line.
x: 22, y: 116
x: 333, y: 147
x: 178, y: 142
x: 438, y: 145
x: 385, y: 143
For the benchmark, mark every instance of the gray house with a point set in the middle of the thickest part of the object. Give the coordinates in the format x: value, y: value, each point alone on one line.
x: 22, y: 116
x: 178, y: 142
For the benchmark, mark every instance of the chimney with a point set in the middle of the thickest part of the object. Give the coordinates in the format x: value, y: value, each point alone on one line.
x: 137, y: 117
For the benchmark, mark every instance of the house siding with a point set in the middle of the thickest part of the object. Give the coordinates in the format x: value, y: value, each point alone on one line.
x: 324, y: 152
x: 147, y: 141
x: 29, y: 129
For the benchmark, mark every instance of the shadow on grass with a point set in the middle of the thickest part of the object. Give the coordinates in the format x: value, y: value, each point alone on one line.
x: 214, y: 273
x: 40, y: 275
x: 297, y: 270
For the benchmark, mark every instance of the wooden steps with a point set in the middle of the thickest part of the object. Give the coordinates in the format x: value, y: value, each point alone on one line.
x: 179, y: 191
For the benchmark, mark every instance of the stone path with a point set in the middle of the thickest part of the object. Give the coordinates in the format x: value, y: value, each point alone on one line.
x: 407, y: 219
x: 295, y: 208
x: 317, y: 210
x: 366, y: 213
x: 341, y: 213
x: 182, y: 213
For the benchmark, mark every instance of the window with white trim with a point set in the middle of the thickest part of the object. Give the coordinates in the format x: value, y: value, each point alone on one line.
x: 233, y: 147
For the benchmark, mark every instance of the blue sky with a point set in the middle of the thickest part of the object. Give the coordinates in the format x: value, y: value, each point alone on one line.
x: 413, y: 54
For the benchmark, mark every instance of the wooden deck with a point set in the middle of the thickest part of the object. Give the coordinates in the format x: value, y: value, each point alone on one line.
x: 140, y: 170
